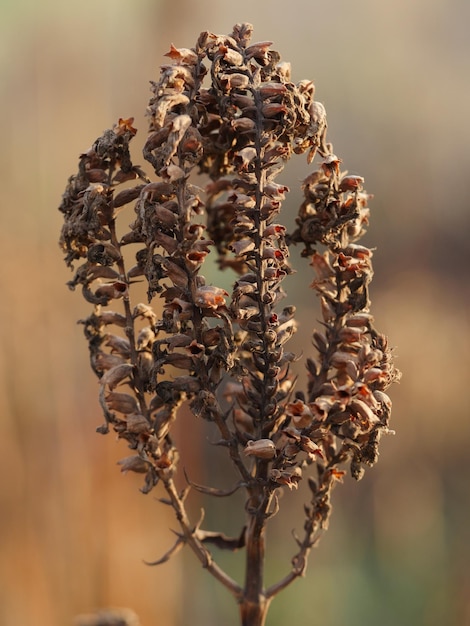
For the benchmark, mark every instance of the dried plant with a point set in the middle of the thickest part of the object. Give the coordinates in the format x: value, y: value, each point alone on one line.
x: 228, y: 110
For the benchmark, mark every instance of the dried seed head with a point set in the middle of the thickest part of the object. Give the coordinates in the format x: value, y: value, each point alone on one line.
x: 230, y: 110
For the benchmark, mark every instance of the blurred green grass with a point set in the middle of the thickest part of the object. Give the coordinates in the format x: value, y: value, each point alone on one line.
x: 74, y: 531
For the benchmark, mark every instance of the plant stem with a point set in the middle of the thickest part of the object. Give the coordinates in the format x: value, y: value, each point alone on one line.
x: 254, y: 605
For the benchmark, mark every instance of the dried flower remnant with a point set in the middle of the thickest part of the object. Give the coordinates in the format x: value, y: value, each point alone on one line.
x: 228, y: 110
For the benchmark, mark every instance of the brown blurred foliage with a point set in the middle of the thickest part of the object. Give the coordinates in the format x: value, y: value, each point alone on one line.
x: 74, y: 530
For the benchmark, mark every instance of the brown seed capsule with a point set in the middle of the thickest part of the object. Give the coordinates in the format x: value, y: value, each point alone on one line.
x: 364, y: 411
x: 116, y: 375
x: 311, y: 448
x: 122, y: 402
x: 246, y: 156
x: 133, y: 463
x: 350, y: 334
x: 137, y: 424
x: 111, y: 317
x: 290, y: 478
x: 268, y: 90
x: 234, y: 81
x: 331, y: 165
x: 271, y: 109
x: 231, y: 56
x: 118, y: 345
x: 361, y: 319
x: 167, y: 242
x: 209, y: 297
x: 126, y: 196
x: 176, y: 274
x: 258, y: 50
x: 182, y: 55
x: 172, y: 173
x: 145, y: 338
x: 114, y: 290
x: 340, y: 358
x: 300, y: 413
x: 242, y: 124
x: 351, y: 183
x: 262, y: 449
x: 145, y: 311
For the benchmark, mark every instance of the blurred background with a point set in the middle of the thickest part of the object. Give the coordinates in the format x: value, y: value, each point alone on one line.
x: 74, y: 532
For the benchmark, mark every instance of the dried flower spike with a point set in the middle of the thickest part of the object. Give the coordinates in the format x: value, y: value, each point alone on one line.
x: 228, y: 110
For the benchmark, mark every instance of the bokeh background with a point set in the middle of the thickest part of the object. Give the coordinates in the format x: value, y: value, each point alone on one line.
x: 74, y: 532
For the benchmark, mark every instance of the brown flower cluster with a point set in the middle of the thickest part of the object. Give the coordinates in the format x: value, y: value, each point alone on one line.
x: 229, y: 110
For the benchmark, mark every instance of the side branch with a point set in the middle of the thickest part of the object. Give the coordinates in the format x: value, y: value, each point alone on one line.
x: 195, y: 543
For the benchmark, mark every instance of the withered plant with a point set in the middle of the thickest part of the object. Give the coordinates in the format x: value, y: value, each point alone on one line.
x: 229, y: 111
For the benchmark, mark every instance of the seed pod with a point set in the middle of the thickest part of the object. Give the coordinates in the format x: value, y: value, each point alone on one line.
x: 317, y: 115
x: 209, y: 297
x: 350, y: 334
x: 133, y: 463
x: 122, y: 402
x: 268, y: 90
x: 127, y: 195
x: 172, y: 173
x: 231, y: 56
x: 271, y: 109
x: 242, y: 124
x: 331, y: 164
x: 351, y: 183
x: 341, y: 358
x: 384, y: 401
x: 375, y: 373
x: 137, y: 424
x: 262, y: 449
x: 175, y: 273
x: 185, y: 56
x: 290, y: 477
x: 104, y: 362
x: 119, y: 345
x: 103, y: 253
x: 359, y: 319
x: 361, y: 408
x: 114, y: 290
x: 300, y: 413
x: 311, y: 448
x: 167, y: 242
x: 145, y: 311
x: 320, y: 342
x: 111, y: 317
x: 145, y: 367
x: 145, y: 338
x: 234, y: 81
x: 102, y: 271
x: 181, y: 361
x: 116, y: 375
x: 258, y: 50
